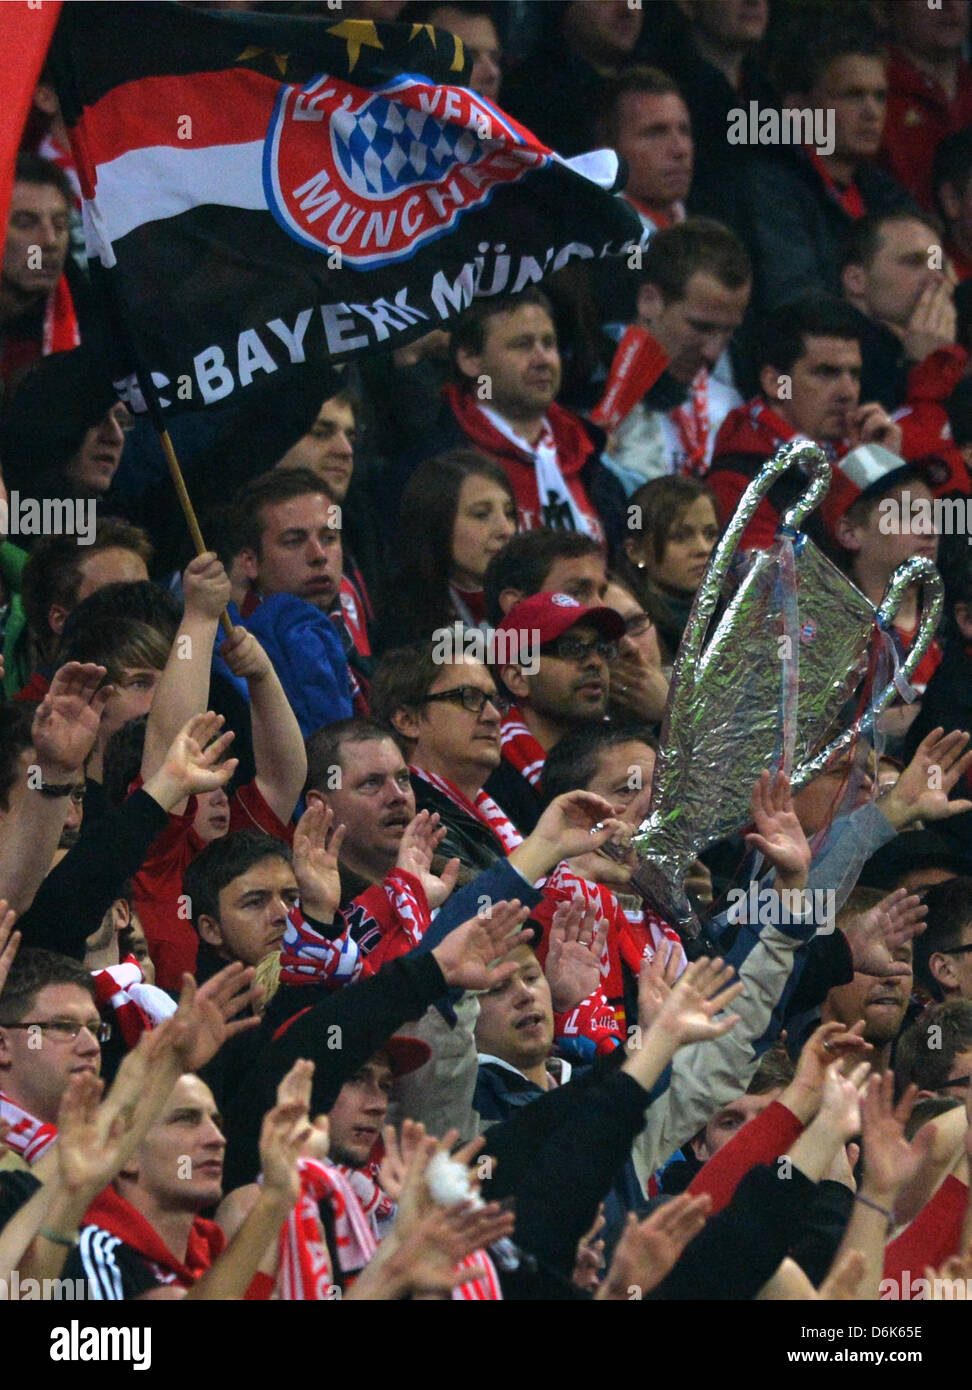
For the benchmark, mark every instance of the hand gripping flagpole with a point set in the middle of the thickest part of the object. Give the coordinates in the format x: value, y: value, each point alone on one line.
x: 185, y: 502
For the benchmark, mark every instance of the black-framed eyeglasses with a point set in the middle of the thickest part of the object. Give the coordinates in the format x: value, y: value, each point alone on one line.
x: 569, y: 648
x: 960, y: 1081
x: 954, y: 950
x: 66, y: 1028
x: 471, y: 698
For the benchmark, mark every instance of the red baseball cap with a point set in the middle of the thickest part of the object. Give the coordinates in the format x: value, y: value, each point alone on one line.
x: 405, y: 1054
x: 551, y: 615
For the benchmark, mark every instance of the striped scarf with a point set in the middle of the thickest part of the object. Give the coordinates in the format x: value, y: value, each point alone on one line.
x: 483, y: 808
x: 524, y: 752
x: 137, y: 1006
x: 359, y: 1209
x: 27, y: 1136
x: 307, y: 957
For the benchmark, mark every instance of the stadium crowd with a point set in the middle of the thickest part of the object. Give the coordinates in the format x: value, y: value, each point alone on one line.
x: 322, y: 971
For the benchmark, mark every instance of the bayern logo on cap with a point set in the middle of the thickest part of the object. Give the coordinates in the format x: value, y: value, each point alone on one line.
x: 356, y: 171
x: 564, y: 601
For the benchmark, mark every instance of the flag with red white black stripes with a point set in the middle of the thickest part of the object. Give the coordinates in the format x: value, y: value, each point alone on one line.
x: 265, y: 193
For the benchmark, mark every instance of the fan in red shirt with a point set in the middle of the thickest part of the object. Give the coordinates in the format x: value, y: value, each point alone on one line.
x: 809, y: 362
x: 929, y: 88
x: 267, y: 803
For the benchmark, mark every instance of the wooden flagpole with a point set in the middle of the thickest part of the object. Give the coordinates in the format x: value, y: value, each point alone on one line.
x: 188, y: 511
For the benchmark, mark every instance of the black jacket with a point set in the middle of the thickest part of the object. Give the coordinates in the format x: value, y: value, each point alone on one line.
x: 797, y: 230
x: 467, y: 839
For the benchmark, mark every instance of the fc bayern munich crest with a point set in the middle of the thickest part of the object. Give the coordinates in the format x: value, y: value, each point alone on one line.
x: 375, y: 174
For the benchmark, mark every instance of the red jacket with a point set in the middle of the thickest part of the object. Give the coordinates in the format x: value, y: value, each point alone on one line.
x: 919, y: 116
x: 749, y: 436
x: 171, y: 937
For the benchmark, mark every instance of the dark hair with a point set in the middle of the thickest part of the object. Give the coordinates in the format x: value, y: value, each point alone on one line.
x: 958, y: 407
x: 34, y: 168
x: 469, y: 332
x: 955, y: 567
x: 16, y: 721
x: 418, y: 11
x: 324, y: 747
x: 864, y: 239
x: 677, y: 253
x: 279, y: 485
x: 526, y: 560
x: 916, y: 1060
x: 819, y: 38
x: 32, y: 971
x: 419, y: 597
x: 220, y: 862
x: 638, y: 80
x: 117, y: 644
x: 573, y: 760
x: 949, y: 913
x: 661, y: 503
x: 781, y: 340
x: 952, y: 164
x: 402, y: 677
x: 123, y: 759
x: 52, y: 575
x: 141, y: 601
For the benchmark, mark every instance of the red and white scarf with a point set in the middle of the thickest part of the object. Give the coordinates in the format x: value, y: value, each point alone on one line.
x: 305, y: 1270
x: 28, y: 1136
x: 520, y: 748
x: 136, y: 1005
x: 386, y: 920
x: 307, y: 957
x: 483, y: 808
x: 692, y: 422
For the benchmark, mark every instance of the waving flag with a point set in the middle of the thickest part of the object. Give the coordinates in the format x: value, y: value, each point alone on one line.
x: 263, y: 193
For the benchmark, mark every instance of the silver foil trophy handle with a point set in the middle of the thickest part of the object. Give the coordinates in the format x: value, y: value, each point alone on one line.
x: 918, y: 570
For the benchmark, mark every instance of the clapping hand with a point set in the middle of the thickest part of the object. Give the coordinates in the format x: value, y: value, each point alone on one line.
x: 921, y: 792
x: 779, y: 835
x: 576, y: 946
x: 878, y: 934
x: 67, y: 721
x: 317, y: 848
x: 421, y: 839
x: 649, y: 1249
x: 9, y: 941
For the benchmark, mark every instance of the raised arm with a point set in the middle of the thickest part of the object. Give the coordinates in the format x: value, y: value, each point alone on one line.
x: 184, y: 688
x: 64, y: 729
x: 278, y: 745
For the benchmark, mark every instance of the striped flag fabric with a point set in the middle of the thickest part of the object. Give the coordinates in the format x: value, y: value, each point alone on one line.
x: 264, y: 193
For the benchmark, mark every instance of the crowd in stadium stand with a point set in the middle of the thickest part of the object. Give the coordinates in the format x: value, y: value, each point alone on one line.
x: 322, y: 968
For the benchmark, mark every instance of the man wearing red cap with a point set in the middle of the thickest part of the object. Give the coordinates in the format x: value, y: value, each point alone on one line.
x: 556, y: 669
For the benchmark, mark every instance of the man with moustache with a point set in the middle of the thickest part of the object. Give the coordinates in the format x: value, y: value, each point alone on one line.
x: 558, y: 678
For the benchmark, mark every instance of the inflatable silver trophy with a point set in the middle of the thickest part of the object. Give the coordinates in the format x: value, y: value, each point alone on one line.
x: 765, y: 687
